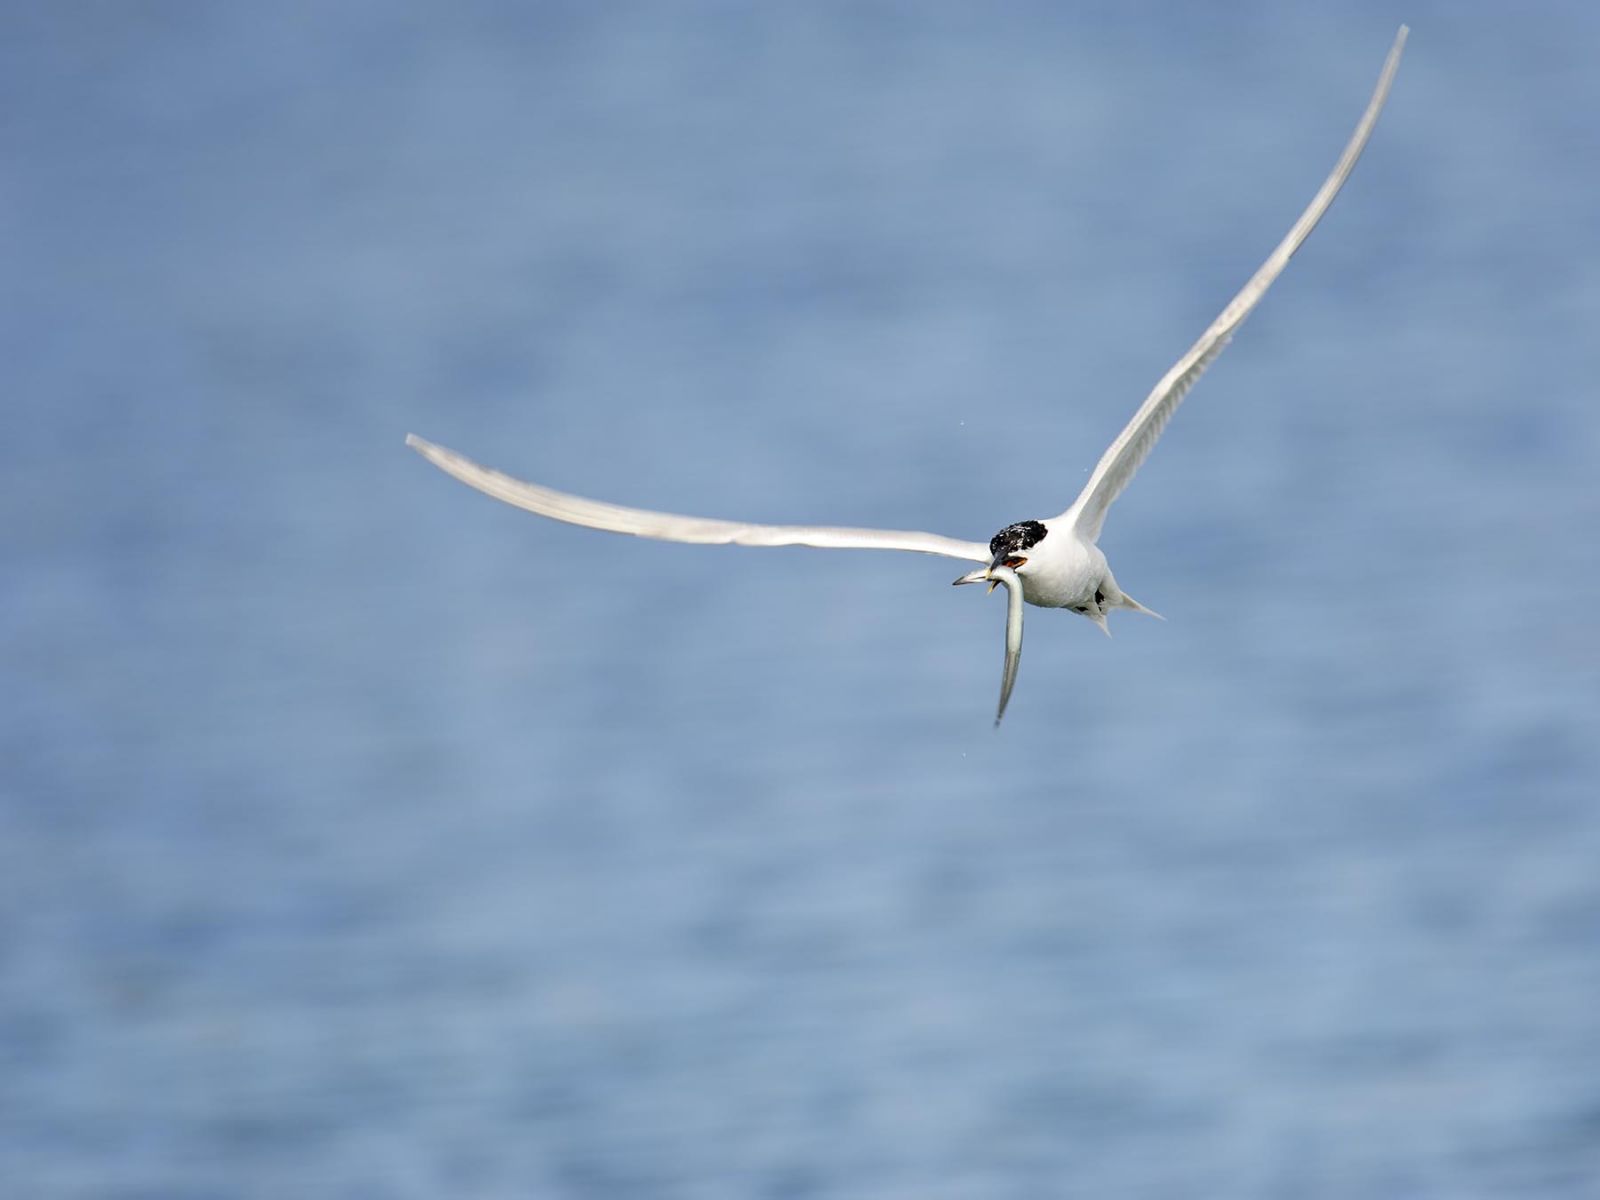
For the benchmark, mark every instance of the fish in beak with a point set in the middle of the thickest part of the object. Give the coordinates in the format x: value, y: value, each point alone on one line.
x: 984, y: 574
x: 981, y: 575
x: 994, y: 575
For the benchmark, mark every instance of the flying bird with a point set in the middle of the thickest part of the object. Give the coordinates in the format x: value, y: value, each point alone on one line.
x: 1050, y: 563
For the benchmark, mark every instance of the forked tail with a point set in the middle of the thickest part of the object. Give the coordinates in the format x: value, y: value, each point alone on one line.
x: 1127, y: 601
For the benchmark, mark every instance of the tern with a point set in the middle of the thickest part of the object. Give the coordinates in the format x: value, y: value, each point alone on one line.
x: 1053, y: 563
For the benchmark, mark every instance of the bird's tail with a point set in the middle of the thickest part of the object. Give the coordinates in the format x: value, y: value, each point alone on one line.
x: 1127, y: 601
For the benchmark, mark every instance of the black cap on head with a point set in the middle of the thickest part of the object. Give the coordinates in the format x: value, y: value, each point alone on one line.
x: 1013, y: 539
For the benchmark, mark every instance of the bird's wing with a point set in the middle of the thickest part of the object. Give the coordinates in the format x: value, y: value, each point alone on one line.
x: 1122, y: 459
x: 669, y: 527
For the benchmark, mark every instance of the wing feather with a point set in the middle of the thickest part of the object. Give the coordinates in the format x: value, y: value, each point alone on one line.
x: 1122, y: 459
x: 670, y: 527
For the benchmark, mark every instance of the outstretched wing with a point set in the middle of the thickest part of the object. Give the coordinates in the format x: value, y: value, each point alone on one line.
x: 1117, y: 465
x: 670, y: 527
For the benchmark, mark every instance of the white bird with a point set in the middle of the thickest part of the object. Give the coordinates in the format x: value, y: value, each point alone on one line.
x: 1052, y: 563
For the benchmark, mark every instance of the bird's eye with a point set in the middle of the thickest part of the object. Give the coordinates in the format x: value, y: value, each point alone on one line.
x: 1014, y: 561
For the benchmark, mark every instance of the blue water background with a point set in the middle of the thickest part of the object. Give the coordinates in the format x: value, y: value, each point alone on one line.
x: 360, y: 837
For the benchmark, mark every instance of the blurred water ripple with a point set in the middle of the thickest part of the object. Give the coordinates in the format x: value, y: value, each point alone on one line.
x: 359, y: 837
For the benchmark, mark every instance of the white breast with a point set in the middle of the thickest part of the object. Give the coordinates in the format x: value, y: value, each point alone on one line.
x: 1063, y: 570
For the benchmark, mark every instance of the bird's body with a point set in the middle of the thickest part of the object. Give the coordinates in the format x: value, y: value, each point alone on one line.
x: 1067, y: 572
x: 1059, y: 569
x: 1050, y: 563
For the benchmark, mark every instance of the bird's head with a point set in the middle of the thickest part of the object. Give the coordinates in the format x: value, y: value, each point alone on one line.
x: 1012, y: 548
